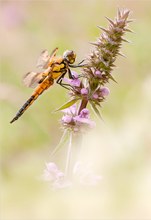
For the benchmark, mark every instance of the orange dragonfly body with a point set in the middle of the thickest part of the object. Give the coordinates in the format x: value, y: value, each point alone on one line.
x: 53, y: 68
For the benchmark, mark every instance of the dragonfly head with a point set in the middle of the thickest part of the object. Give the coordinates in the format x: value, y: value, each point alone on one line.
x: 70, y: 56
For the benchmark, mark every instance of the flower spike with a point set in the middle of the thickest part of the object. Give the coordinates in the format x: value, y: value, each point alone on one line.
x: 89, y: 88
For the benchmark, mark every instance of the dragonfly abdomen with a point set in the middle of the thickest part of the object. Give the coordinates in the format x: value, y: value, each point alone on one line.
x: 40, y: 89
x: 23, y: 108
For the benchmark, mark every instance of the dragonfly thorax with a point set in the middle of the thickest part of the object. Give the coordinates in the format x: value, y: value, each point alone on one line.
x: 69, y: 56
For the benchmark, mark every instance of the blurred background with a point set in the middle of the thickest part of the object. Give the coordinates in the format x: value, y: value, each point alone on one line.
x: 120, y: 146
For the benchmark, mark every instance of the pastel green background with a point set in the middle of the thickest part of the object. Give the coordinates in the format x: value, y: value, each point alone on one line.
x: 120, y: 147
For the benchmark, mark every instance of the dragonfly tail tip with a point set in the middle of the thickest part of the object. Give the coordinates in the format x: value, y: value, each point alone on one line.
x: 14, y: 119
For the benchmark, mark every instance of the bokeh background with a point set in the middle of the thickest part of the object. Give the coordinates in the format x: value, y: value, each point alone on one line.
x: 120, y: 146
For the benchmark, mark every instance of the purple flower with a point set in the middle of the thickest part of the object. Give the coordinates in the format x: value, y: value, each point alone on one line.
x: 75, y: 82
x: 84, y: 91
x: 84, y: 113
x: 83, y: 123
x: 76, y: 122
x: 98, y: 74
x: 51, y: 173
x: 71, y: 110
x: 67, y: 119
x: 55, y: 176
x: 84, y: 174
x: 95, y: 96
x: 105, y: 91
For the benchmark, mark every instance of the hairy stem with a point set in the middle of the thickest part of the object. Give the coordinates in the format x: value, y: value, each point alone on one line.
x: 83, y: 105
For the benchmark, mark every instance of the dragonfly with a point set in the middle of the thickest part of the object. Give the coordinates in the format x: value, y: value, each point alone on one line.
x: 52, y: 68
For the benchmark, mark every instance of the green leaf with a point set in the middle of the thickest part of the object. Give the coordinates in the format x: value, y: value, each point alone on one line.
x: 95, y: 109
x: 67, y: 104
x: 111, y: 77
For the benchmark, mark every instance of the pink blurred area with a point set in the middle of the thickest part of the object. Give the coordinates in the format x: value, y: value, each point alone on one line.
x: 12, y: 14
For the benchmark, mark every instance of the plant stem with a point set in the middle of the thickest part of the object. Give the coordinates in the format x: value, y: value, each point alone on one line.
x: 83, y: 105
x: 68, y: 155
x: 61, y: 143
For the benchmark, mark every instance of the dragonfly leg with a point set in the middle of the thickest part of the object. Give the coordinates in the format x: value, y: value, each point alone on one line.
x: 78, y: 65
x: 64, y: 85
x: 70, y: 74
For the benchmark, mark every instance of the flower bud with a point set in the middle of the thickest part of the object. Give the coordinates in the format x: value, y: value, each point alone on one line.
x: 67, y: 119
x: 84, y: 113
x: 98, y: 73
x: 95, y: 96
x: 84, y: 91
x: 105, y: 91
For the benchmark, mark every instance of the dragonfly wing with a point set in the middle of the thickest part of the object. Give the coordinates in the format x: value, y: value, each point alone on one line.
x: 43, y: 59
x: 32, y: 79
x: 53, y: 53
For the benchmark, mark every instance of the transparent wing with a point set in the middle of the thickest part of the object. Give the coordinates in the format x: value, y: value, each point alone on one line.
x: 53, y: 53
x: 32, y: 79
x: 45, y: 59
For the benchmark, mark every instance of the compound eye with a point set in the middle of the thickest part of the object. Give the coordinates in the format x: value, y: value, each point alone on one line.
x: 70, y: 56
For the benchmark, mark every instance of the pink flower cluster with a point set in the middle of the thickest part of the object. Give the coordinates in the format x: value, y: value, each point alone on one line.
x: 55, y: 176
x: 71, y: 120
x: 82, y: 174
x: 78, y: 89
